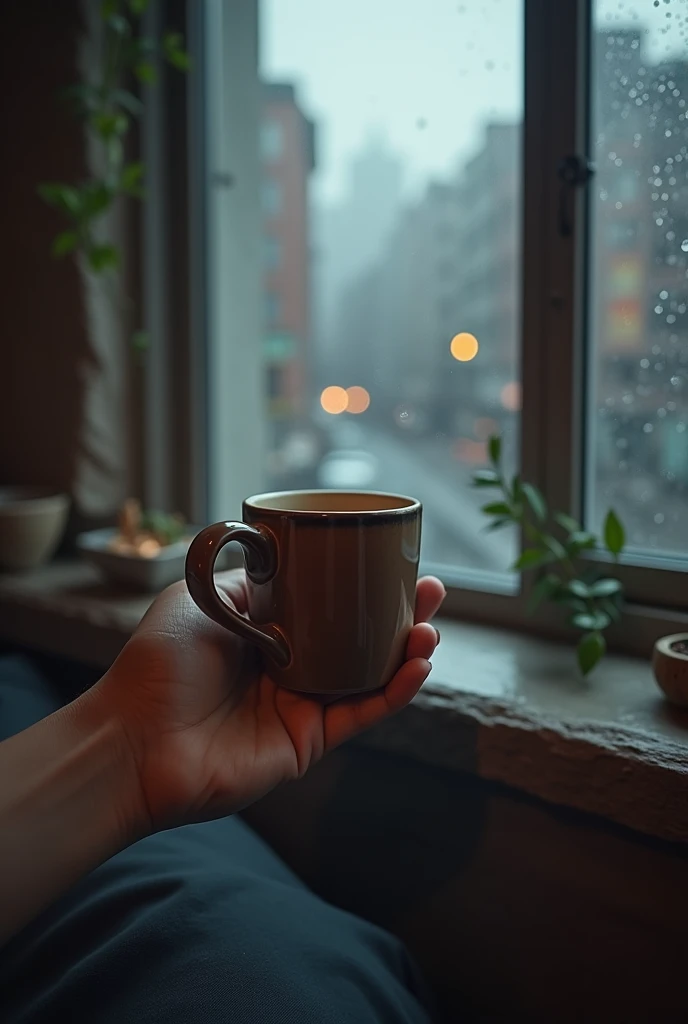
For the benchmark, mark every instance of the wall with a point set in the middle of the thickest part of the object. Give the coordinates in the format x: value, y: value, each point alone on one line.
x: 62, y: 408
x: 515, y: 909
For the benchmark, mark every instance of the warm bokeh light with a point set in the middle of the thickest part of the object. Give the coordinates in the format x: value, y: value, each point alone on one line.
x: 358, y: 400
x: 484, y: 427
x: 464, y: 347
x: 511, y: 396
x: 469, y: 451
x: 334, y: 400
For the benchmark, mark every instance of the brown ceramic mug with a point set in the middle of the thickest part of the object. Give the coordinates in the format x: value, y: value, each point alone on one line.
x: 331, y: 585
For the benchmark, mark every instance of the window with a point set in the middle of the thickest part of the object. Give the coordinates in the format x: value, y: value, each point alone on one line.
x: 373, y: 274
x: 638, y: 415
x: 406, y: 203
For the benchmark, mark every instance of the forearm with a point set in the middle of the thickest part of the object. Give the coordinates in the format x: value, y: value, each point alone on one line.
x: 69, y: 800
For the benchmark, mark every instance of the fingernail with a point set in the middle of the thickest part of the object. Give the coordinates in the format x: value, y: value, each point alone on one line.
x: 438, y: 635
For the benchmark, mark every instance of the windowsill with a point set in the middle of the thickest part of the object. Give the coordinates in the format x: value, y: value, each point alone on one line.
x: 504, y: 706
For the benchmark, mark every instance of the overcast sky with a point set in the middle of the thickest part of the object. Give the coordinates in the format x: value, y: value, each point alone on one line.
x: 429, y: 73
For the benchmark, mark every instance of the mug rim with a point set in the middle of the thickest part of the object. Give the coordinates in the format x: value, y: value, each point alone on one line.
x: 412, y: 506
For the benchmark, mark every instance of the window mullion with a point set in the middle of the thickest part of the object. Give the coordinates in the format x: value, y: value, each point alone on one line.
x: 234, y: 267
x: 552, y: 352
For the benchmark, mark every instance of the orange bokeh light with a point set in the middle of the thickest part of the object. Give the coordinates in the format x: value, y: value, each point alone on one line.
x: 511, y: 396
x: 358, y: 400
x: 464, y: 347
x: 470, y: 451
x: 334, y: 400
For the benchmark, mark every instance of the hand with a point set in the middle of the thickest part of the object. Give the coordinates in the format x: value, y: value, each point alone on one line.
x: 209, y: 732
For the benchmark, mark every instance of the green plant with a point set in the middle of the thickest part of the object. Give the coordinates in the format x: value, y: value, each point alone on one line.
x: 556, y: 542
x: 108, y: 108
x: 166, y: 528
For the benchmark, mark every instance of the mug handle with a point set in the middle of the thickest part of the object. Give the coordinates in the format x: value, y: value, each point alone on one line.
x: 260, y: 555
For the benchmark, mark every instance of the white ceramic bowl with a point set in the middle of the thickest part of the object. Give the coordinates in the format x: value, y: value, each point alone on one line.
x: 32, y: 521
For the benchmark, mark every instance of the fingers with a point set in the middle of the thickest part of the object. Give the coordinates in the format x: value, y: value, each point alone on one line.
x: 346, y: 718
x: 430, y: 594
x: 233, y: 583
x: 422, y: 641
x: 406, y: 683
x: 349, y: 717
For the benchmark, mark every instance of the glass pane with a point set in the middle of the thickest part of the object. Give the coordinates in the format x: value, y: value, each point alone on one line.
x: 391, y: 200
x: 638, y: 415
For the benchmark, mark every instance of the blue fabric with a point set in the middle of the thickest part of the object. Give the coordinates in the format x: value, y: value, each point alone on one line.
x: 198, y: 924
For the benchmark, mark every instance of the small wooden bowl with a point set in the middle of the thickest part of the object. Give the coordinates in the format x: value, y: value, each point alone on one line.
x: 670, y: 666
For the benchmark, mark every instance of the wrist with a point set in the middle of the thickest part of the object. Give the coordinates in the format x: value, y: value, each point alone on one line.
x: 98, y: 731
x: 69, y: 800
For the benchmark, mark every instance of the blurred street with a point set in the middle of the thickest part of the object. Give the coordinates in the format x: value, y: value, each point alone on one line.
x: 368, y: 458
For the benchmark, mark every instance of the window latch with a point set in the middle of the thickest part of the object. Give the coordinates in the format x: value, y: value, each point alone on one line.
x: 573, y: 172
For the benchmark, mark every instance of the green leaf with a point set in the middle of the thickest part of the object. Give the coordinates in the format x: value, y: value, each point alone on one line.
x: 612, y: 610
x: 591, y: 648
x: 517, y: 487
x: 591, y: 620
x: 536, y: 502
x: 108, y: 8
x: 568, y: 522
x: 496, y: 508
x: 65, y: 243
x: 485, y: 478
x: 167, y: 528
x: 108, y: 125
x: 614, y: 534
x: 173, y: 48
x: 543, y: 589
x: 578, y: 588
x: 102, y: 257
x: 95, y: 198
x: 140, y: 341
x: 132, y: 174
x: 119, y: 25
x: 138, y: 7
x: 494, y: 448
x: 605, y: 588
x: 114, y: 151
x: 532, y: 557
x: 146, y: 73
x: 126, y: 99
x: 580, y: 540
x: 497, y: 524
x: 62, y: 197
x: 557, y: 549
x: 130, y: 182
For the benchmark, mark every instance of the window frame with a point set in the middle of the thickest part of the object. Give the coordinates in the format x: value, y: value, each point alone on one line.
x: 554, y: 330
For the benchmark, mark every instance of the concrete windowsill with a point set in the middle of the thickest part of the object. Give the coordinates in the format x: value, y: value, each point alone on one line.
x: 505, y: 706
x: 513, y: 709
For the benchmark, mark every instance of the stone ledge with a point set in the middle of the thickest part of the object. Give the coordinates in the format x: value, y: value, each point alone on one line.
x: 513, y: 709
x: 633, y: 778
x: 505, y: 706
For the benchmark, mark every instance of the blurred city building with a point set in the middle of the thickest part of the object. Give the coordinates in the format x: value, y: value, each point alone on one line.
x: 287, y: 145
